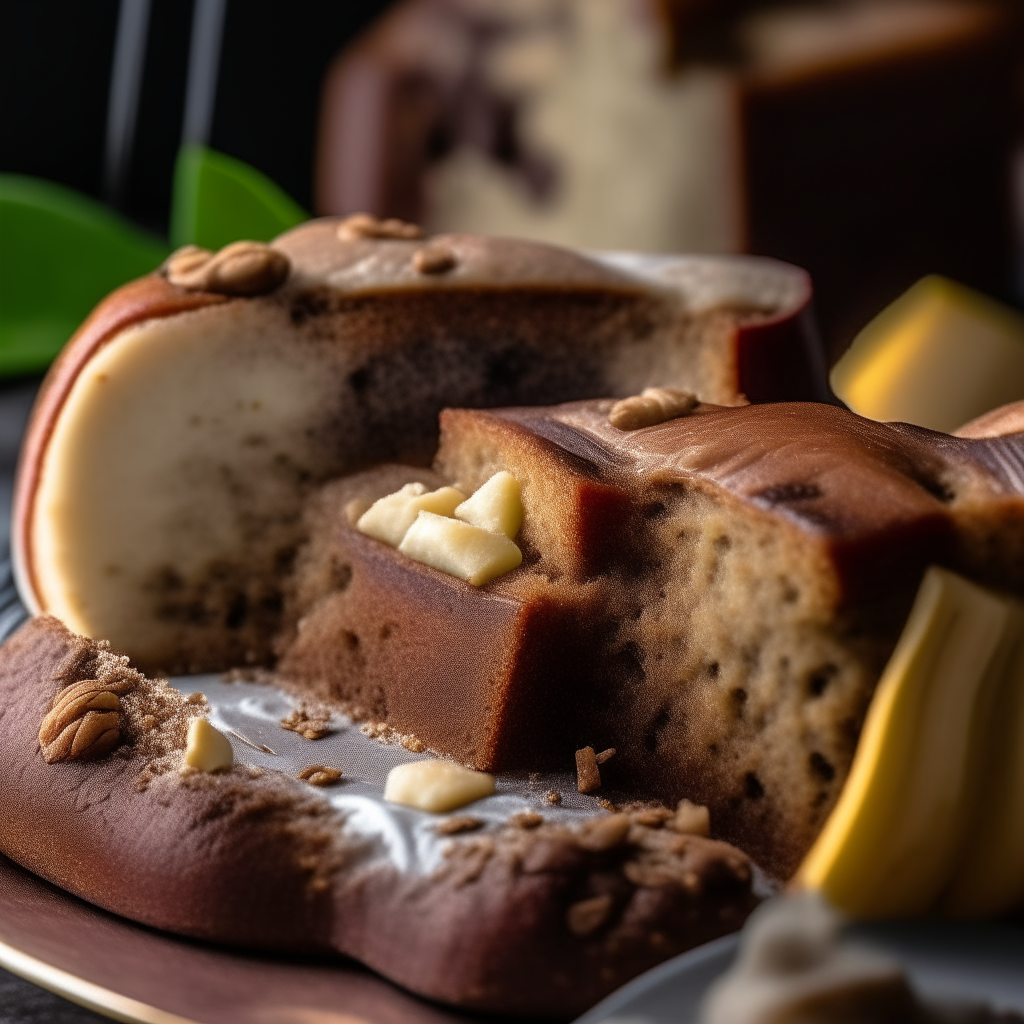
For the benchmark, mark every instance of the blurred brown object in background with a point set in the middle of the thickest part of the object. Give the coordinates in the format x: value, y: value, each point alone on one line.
x: 869, y: 141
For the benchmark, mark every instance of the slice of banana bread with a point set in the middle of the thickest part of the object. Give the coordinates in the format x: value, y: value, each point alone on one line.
x: 713, y: 596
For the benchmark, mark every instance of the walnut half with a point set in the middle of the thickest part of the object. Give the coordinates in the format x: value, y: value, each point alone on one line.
x: 651, y: 406
x: 84, y: 722
x: 241, y: 268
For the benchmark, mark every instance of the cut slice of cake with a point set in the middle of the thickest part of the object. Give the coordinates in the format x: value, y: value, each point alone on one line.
x: 713, y: 596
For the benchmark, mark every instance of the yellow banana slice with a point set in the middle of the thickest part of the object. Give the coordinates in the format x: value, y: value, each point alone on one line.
x: 938, y: 356
x: 896, y: 837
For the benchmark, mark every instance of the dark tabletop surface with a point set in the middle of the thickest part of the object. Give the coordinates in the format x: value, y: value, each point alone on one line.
x: 20, y: 1001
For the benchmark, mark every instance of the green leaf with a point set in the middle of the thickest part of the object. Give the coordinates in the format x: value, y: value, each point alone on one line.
x: 218, y: 200
x: 60, y: 253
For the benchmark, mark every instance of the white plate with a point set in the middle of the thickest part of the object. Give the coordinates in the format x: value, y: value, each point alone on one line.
x: 945, y: 960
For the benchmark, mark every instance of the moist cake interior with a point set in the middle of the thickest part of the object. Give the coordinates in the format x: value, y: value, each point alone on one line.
x: 719, y: 620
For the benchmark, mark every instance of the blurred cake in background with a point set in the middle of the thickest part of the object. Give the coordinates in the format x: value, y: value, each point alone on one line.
x: 869, y: 140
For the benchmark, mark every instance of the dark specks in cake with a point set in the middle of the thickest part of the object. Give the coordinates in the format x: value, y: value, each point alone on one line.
x: 310, y: 305
x: 819, y: 679
x: 165, y: 579
x: 713, y: 670
x: 654, y: 510
x: 821, y: 767
x: 341, y: 575
x: 789, y: 493
x: 657, y: 726
x: 237, y: 611
x: 284, y: 559
x: 626, y: 665
x: 359, y: 380
x: 752, y: 786
x: 505, y: 369
x: 738, y: 698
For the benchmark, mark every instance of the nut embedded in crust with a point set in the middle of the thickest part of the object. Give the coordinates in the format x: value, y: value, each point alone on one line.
x: 365, y: 225
x: 241, y: 268
x: 586, y: 916
x: 84, y: 722
x: 651, y: 406
x: 434, y: 259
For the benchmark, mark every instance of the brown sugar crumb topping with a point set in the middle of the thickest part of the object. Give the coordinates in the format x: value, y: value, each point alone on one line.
x: 417, y: 746
x: 84, y: 722
x: 241, y: 268
x: 365, y: 225
x: 607, y: 804
x: 586, y: 916
x: 588, y: 776
x: 434, y: 259
x: 460, y: 823
x: 319, y: 775
x: 314, y: 725
x: 651, y: 406
x: 526, y: 819
x: 605, y: 755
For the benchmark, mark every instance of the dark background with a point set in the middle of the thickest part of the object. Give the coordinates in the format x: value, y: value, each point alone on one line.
x: 55, y: 66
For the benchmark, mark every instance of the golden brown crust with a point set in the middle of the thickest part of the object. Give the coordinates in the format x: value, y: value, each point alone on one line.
x: 148, y: 298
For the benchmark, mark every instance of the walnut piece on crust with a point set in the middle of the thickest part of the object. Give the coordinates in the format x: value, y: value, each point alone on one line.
x: 365, y: 225
x: 241, y: 268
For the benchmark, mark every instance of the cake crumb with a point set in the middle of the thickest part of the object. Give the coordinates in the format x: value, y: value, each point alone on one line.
x: 314, y: 725
x: 587, y: 916
x: 526, y: 819
x: 552, y: 797
x: 607, y: 804
x: 417, y: 746
x: 601, y: 834
x: 148, y: 722
x: 588, y: 776
x: 605, y: 755
x: 460, y: 823
x: 691, y: 819
x: 653, y: 817
x: 319, y: 775
x: 196, y: 698
x: 255, y: 771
